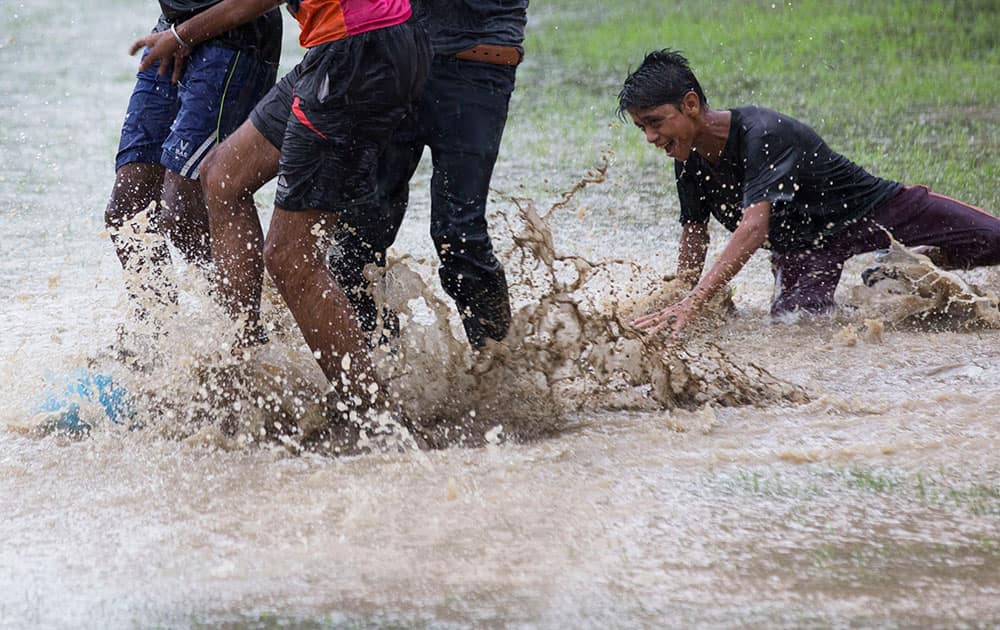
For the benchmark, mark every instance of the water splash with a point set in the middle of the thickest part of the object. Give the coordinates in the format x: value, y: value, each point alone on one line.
x: 570, y: 349
x: 909, y: 290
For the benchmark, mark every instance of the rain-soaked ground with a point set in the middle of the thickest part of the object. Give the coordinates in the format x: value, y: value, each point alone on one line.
x: 862, y: 489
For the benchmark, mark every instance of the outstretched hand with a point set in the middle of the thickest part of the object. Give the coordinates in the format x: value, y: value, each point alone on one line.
x: 163, y: 48
x: 674, y: 317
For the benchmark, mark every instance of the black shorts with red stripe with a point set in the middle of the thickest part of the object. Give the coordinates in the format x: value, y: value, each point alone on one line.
x: 270, y: 116
x: 341, y: 105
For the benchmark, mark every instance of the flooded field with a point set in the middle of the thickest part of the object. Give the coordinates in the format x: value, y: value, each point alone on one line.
x: 861, y: 489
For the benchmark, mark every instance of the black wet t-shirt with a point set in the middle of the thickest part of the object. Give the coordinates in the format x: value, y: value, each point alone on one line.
x: 179, y: 10
x: 456, y: 25
x: 814, y: 191
x: 262, y: 35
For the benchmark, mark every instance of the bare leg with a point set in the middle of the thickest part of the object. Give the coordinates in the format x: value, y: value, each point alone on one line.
x: 230, y: 175
x: 295, y: 254
x: 183, y: 218
x: 137, y: 185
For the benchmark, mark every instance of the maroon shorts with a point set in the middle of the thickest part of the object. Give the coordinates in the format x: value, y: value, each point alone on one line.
x: 806, y: 279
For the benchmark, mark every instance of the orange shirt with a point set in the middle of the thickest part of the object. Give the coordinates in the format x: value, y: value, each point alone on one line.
x: 325, y: 21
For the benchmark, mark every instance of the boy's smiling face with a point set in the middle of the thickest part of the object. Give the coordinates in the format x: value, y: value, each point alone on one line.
x: 668, y: 127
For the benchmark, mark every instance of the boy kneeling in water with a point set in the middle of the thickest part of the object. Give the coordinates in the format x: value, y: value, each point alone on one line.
x: 774, y: 183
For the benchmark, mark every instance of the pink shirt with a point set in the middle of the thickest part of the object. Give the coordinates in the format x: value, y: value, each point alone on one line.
x: 325, y: 21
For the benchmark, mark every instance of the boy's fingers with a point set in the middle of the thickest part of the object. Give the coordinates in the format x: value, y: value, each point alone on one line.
x: 136, y: 46
x: 645, y: 319
x: 643, y: 323
x: 658, y: 327
x: 639, y: 322
x: 652, y: 323
x: 179, y: 63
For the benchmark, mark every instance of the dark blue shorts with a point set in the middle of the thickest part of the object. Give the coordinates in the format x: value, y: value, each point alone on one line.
x: 177, y: 125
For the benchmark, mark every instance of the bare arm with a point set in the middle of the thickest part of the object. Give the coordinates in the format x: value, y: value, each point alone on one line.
x: 748, y: 237
x: 691, y: 257
x: 220, y: 18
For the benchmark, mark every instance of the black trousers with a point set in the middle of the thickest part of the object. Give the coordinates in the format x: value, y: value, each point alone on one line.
x: 460, y: 117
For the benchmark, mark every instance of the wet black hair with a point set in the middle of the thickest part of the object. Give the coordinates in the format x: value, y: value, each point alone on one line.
x: 663, y: 77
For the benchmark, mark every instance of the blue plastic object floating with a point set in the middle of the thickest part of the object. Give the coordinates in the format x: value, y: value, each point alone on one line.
x: 79, y: 387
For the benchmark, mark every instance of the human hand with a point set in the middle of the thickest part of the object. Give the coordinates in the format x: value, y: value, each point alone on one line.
x: 165, y: 49
x: 676, y: 317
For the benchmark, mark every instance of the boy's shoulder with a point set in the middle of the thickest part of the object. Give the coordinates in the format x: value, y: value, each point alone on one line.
x: 760, y: 131
x: 756, y: 117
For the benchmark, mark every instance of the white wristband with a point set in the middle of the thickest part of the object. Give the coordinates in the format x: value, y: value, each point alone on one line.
x: 180, y: 42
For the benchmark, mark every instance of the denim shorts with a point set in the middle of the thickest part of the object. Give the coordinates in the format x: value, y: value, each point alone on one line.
x: 177, y: 125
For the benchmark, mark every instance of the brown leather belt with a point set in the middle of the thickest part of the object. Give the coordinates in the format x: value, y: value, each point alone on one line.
x: 490, y: 53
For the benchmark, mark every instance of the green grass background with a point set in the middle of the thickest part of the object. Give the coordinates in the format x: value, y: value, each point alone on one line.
x: 909, y: 89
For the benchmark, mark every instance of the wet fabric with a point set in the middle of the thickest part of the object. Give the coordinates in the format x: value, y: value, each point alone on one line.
x: 456, y: 25
x: 270, y: 116
x: 324, y: 21
x: 183, y: 9
x: 348, y: 98
x: 460, y: 117
x: 262, y: 35
x: 970, y: 237
x: 177, y: 125
x: 815, y: 192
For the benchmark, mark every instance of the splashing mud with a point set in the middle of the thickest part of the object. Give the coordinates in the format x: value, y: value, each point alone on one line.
x: 570, y: 349
x: 912, y: 291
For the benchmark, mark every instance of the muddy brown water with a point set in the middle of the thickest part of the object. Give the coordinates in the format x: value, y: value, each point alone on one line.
x: 872, y: 501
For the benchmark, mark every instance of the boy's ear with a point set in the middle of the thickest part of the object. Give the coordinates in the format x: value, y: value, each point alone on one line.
x: 691, y: 104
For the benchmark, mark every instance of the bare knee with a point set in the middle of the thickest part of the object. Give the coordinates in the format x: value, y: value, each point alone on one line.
x: 238, y: 167
x: 137, y: 185
x: 280, y: 264
x: 119, y: 208
x: 116, y: 214
x: 211, y: 174
x: 222, y: 186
